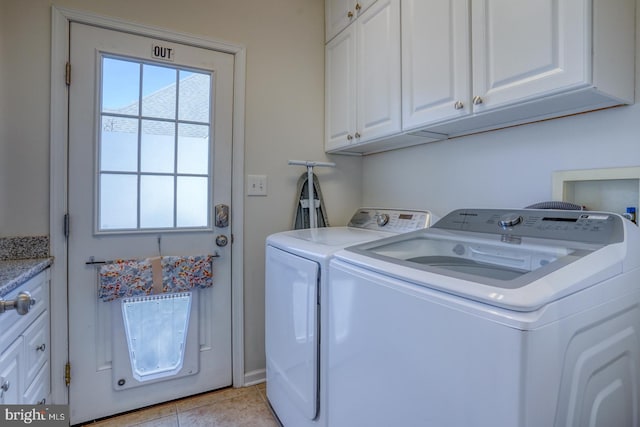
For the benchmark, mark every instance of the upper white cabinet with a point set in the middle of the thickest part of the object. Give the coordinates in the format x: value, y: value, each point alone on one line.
x: 363, y: 78
x: 470, y: 66
x: 340, y: 13
x: 524, y: 49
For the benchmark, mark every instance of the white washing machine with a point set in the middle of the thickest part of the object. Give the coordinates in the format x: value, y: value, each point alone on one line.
x: 490, y: 318
x: 295, y: 307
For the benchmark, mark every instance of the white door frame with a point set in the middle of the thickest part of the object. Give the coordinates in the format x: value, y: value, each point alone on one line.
x: 58, y: 207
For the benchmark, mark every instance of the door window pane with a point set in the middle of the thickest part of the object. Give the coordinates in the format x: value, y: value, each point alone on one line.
x: 119, y: 147
x: 118, y: 201
x: 156, y: 201
x: 194, y: 101
x: 193, y: 149
x: 157, y: 146
x: 159, y: 91
x: 193, y: 201
x: 120, y: 86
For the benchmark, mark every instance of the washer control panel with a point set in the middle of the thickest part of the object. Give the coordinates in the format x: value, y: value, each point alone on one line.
x: 579, y: 226
x: 391, y: 220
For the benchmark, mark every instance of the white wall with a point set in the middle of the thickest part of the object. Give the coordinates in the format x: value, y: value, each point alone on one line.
x: 507, y: 168
x: 284, y: 114
x: 24, y: 107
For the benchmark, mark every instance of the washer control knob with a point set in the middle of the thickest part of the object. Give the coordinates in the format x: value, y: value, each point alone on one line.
x: 509, y: 220
x: 382, y: 219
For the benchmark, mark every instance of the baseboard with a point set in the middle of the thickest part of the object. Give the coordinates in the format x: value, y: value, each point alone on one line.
x: 255, y: 377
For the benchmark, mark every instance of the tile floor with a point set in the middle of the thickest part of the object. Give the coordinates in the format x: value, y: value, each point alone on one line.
x: 230, y: 407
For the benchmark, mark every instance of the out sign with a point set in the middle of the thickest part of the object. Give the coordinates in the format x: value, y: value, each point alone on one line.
x: 164, y: 53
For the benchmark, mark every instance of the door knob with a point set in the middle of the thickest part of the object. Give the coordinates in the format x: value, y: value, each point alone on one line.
x: 222, y: 240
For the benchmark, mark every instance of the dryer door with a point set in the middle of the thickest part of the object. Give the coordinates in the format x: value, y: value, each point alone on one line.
x: 291, y: 335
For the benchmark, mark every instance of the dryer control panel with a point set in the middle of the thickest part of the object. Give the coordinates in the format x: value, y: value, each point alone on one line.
x: 391, y: 220
x: 578, y: 226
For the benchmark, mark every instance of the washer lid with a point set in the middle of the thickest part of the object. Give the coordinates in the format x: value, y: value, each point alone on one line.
x: 482, y: 259
x: 521, y: 265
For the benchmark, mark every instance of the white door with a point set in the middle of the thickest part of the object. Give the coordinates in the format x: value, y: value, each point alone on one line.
x: 150, y: 137
x: 524, y: 49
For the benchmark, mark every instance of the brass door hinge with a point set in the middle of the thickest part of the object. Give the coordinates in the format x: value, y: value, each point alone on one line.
x: 67, y: 374
x: 67, y: 74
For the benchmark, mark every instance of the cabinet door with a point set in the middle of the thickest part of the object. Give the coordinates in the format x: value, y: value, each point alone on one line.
x: 12, y: 373
x: 378, y: 71
x: 340, y: 90
x: 436, y: 68
x: 36, y: 340
x: 340, y: 13
x: 527, y: 49
x: 40, y: 388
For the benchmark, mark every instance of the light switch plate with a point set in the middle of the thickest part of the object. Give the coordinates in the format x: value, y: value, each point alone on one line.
x: 256, y: 185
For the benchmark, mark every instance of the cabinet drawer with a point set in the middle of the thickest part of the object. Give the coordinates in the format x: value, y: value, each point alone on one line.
x: 11, y: 373
x: 11, y: 323
x: 39, y: 390
x: 36, y: 340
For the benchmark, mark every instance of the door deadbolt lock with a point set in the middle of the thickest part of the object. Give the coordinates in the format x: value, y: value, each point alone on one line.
x: 222, y: 240
x: 222, y: 216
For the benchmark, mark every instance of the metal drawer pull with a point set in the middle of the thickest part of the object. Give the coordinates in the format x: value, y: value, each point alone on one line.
x: 41, y: 347
x: 42, y: 402
x: 4, y: 387
x: 21, y: 304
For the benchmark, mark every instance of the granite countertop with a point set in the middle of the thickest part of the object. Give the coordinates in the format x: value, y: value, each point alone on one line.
x: 14, y: 273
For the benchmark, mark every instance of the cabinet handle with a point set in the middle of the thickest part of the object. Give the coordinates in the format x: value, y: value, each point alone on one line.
x: 350, y: 14
x: 21, y: 304
x: 349, y: 137
x: 42, y: 402
x: 41, y: 347
x: 4, y: 387
x: 477, y: 100
x: 458, y: 105
x: 358, y: 7
x: 357, y: 135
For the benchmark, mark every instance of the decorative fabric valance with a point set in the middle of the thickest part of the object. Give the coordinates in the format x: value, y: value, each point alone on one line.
x: 168, y: 274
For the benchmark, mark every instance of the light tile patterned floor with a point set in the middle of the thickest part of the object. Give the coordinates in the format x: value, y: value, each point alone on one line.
x: 230, y: 407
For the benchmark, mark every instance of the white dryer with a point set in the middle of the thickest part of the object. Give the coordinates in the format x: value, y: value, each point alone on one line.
x: 295, y: 307
x: 500, y: 318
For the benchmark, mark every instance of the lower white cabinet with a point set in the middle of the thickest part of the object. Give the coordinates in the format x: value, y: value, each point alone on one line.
x: 24, y: 347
